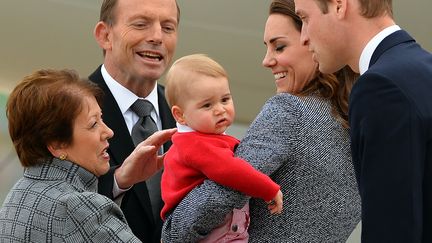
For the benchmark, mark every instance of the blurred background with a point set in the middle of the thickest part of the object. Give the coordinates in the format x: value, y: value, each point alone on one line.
x: 58, y: 34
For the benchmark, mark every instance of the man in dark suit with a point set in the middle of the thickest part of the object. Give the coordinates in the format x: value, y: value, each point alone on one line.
x: 139, y: 39
x: 390, y: 111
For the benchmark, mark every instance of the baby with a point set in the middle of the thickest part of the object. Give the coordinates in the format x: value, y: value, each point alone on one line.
x: 198, y: 93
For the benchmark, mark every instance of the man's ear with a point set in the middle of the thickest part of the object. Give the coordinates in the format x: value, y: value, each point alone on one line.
x: 178, y: 114
x: 102, y: 35
x: 341, y: 7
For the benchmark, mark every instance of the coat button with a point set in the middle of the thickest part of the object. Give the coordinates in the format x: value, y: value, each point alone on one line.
x: 234, y: 228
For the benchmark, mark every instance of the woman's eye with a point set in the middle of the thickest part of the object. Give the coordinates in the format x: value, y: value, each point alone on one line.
x: 93, y: 125
x: 280, y: 48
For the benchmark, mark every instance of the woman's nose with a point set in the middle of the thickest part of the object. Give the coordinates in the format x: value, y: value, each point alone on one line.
x: 268, y: 60
x: 108, y: 132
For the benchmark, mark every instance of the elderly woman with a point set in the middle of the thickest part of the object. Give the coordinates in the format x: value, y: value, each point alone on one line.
x: 56, y: 127
x: 300, y: 138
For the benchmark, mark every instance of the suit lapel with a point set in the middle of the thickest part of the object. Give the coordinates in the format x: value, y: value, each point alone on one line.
x: 390, y: 41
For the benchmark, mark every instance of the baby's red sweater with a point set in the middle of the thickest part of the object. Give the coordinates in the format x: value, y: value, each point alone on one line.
x: 194, y: 157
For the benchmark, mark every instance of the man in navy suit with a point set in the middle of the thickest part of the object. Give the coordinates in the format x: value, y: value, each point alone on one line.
x: 390, y: 111
x: 138, y: 39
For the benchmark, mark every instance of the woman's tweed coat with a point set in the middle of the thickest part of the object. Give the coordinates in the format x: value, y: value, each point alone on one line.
x: 58, y: 202
x: 306, y: 151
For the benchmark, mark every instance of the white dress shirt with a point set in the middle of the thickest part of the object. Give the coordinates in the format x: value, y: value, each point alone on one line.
x: 125, y: 98
x: 371, y: 46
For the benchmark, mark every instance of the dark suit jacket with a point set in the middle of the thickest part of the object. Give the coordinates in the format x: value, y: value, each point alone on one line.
x: 136, y: 202
x: 391, y: 132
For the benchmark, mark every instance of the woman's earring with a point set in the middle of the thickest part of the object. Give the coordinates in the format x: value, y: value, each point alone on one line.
x: 62, y: 156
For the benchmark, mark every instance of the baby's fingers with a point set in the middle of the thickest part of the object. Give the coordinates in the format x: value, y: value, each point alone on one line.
x: 274, y: 208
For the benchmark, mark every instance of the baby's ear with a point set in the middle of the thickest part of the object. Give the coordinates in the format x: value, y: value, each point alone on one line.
x: 178, y: 114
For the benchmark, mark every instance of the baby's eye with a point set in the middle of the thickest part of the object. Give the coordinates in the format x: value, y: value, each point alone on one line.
x: 225, y: 100
x: 206, y: 105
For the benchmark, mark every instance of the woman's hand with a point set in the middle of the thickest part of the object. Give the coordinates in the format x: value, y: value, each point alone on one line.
x: 144, y: 161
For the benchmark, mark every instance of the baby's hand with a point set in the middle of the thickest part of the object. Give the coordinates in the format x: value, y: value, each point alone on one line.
x: 275, y: 205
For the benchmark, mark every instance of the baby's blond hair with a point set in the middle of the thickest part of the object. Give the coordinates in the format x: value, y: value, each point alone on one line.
x: 179, y: 75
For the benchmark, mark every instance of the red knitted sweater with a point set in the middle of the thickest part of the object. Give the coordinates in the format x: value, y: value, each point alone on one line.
x: 194, y: 157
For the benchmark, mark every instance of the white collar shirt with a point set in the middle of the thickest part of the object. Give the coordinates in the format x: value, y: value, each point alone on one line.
x: 371, y: 46
x: 125, y: 98
x: 185, y: 128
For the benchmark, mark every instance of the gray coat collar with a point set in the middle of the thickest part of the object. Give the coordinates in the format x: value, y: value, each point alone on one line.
x: 63, y: 170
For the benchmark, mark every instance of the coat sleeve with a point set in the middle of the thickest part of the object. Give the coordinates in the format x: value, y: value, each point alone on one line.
x: 92, y: 217
x: 206, y: 206
x: 270, y: 140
